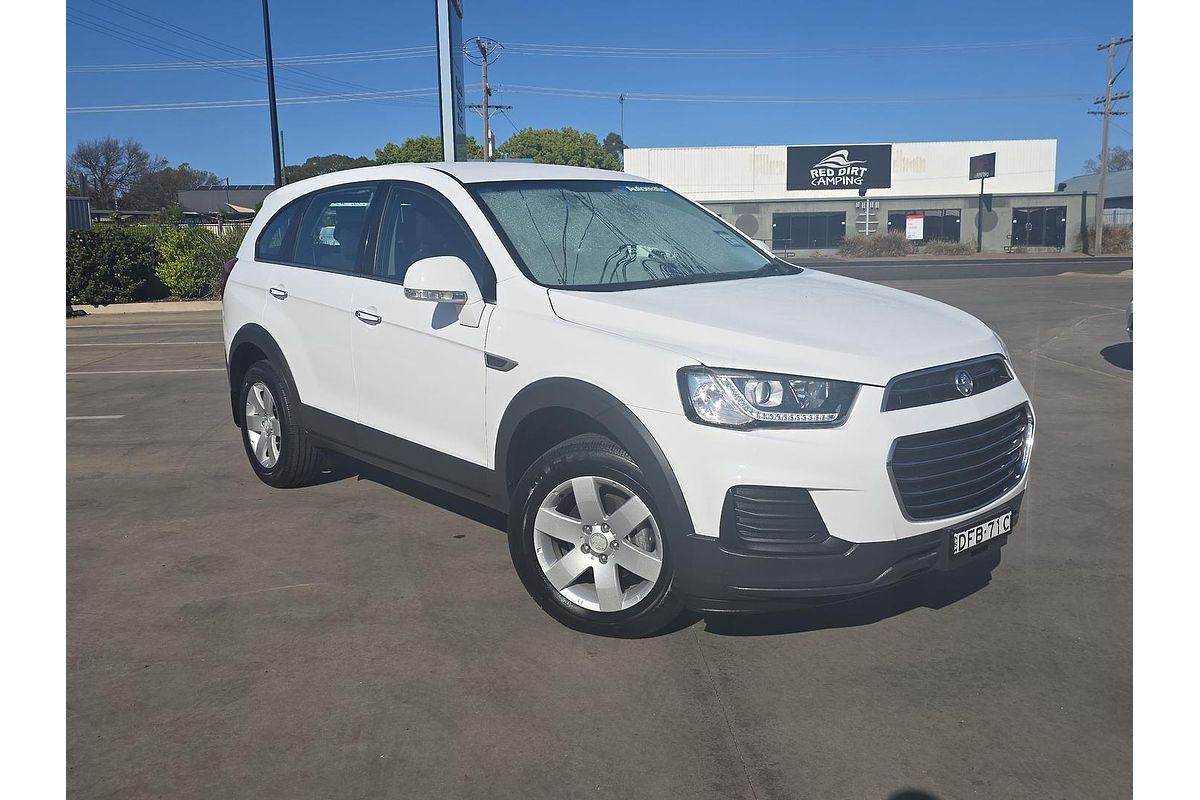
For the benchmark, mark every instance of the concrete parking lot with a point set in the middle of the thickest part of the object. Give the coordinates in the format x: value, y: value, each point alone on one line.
x: 367, y: 637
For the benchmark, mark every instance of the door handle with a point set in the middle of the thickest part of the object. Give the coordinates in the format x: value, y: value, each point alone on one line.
x: 368, y: 317
x: 278, y: 293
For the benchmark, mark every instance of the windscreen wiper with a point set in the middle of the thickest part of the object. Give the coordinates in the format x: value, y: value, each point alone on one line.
x: 776, y: 268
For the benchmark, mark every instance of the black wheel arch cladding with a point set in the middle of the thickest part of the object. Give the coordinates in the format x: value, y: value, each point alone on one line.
x: 252, y: 335
x: 616, y: 421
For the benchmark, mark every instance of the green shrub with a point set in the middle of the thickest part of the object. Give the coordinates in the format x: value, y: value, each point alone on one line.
x: 107, y: 264
x: 184, y: 262
x: 941, y: 248
x: 891, y: 243
x: 1118, y: 239
x: 223, y: 247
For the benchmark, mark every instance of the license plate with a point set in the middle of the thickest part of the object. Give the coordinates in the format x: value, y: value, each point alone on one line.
x: 978, y: 535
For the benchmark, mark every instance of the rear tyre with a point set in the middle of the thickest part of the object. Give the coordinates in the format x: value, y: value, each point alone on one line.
x: 585, y: 540
x: 278, y: 447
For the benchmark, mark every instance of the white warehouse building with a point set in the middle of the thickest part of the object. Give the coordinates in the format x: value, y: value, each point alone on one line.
x: 802, y: 199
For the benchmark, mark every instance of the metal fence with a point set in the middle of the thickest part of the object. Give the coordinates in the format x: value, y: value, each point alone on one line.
x: 1118, y: 216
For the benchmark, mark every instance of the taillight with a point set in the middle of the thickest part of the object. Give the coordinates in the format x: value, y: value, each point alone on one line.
x: 226, y: 272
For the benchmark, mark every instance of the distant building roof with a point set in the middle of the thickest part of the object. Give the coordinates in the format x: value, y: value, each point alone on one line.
x: 234, y: 187
x: 220, y: 199
x: 1116, y: 184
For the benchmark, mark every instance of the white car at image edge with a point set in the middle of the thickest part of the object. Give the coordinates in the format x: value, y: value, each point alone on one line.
x: 671, y: 417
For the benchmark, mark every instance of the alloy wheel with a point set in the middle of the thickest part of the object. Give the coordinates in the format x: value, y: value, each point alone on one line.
x: 598, y: 544
x: 262, y: 424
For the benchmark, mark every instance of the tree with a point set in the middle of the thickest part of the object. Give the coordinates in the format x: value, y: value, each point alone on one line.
x: 1119, y: 160
x: 111, y: 167
x: 421, y: 150
x: 559, y: 146
x: 322, y: 165
x: 159, y: 190
x: 614, y: 145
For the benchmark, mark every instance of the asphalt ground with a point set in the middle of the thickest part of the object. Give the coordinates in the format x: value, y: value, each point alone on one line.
x: 367, y: 637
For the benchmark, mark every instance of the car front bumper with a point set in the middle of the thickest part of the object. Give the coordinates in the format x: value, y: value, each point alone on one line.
x: 714, y: 578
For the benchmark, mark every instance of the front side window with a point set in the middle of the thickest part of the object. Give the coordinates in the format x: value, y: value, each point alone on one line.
x: 330, y: 235
x: 600, y: 235
x: 418, y: 225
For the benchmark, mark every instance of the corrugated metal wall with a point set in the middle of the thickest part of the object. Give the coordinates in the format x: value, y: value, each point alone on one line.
x: 918, y: 169
x: 79, y: 213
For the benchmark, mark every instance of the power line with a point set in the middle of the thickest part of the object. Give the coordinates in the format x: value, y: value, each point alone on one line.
x: 243, y: 68
x: 611, y: 51
x: 256, y: 102
x: 361, y: 56
x: 605, y: 94
x: 319, y: 59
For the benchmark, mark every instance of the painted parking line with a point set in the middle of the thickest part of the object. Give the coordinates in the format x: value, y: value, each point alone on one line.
x: 98, y: 416
x: 139, y: 325
x: 145, y: 371
x: 132, y: 344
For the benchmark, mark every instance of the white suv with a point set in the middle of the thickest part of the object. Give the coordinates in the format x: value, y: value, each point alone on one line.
x: 670, y: 416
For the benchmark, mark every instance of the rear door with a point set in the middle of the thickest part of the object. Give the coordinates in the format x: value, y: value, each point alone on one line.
x: 420, y: 371
x: 309, y: 307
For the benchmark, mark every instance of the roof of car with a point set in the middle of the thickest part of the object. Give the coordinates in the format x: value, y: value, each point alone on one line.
x: 485, y: 171
x: 465, y: 171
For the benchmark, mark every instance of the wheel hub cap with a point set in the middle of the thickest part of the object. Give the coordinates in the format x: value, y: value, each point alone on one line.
x: 600, y: 542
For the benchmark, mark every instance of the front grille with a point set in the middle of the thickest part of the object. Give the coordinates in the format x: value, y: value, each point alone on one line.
x: 771, y: 519
x: 958, y: 470
x: 937, y: 384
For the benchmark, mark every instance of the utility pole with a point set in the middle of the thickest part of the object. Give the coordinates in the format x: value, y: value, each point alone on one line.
x: 1111, y: 45
x: 283, y: 158
x: 489, y: 134
x: 487, y: 90
x: 271, y: 98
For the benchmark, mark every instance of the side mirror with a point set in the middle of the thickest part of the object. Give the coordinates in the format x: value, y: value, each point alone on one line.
x: 446, y: 279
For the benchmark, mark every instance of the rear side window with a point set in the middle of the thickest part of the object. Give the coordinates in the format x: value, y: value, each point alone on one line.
x: 330, y: 234
x: 274, y: 237
x: 416, y: 225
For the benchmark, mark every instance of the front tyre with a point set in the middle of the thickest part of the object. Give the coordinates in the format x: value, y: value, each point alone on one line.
x: 587, y: 544
x: 277, y: 446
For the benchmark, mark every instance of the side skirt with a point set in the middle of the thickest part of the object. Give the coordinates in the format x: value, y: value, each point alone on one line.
x: 409, y: 459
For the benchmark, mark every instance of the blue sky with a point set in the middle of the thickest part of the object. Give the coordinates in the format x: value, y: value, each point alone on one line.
x: 1038, y: 83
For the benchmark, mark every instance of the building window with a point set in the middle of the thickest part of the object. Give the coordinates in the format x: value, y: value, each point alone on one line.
x: 815, y: 231
x: 1039, y: 226
x: 941, y: 224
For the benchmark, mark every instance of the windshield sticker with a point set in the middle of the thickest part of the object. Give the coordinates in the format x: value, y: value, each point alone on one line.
x: 731, y: 240
x: 641, y: 187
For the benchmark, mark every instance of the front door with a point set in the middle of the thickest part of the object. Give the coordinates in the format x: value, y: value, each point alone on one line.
x: 420, y: 371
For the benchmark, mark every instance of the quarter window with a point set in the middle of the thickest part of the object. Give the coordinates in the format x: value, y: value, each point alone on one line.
x: 418, y: 225
x: 331, y: 231
x: 274, y: 238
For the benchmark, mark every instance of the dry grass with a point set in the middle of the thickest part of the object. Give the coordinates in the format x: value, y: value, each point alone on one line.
x: 891, y: 243
x: 940, y: 248
x: 1118, y: 239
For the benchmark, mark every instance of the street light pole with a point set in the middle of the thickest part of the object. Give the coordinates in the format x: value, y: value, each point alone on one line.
x: 271, y: 98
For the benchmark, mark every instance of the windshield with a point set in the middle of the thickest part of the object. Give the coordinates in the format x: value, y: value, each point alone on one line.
x: 612, y: 235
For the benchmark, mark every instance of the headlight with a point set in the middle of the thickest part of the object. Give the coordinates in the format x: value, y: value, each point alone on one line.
x: 736, y: 399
